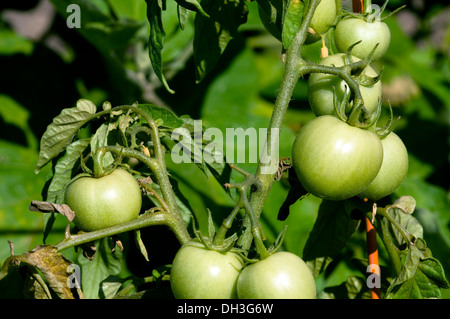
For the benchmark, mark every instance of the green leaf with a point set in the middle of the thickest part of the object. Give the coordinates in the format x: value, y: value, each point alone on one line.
x: 62, y: 130
x: 64, y: 168
x: 292, y: 22
x: 19, y: 186
x: 192, y: 5
x: 12, y: 43
x: 130, y: 9
x: 101, y: 139
x: 140, y: 244
x: 100, y: 27
x: 420, y: 278
x: 112, y: 35
x: 62, y: 174
x: 14, y: 113
x: 156, y: 40
x: 272, y: 13
x: 104, y: 264
x: 169, y: 119
x: 408, y: 222
x: 213, y: 34
x: 110, y: 286
x: 353, y: 288
x: 406, y: 204
x: 330, y: 234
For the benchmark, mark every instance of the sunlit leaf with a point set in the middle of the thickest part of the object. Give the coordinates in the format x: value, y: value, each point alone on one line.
x: 61, y: 132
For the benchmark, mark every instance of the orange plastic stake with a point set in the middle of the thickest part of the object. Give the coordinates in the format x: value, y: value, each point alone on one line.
x: 357, y: 6
x: 372, y: 250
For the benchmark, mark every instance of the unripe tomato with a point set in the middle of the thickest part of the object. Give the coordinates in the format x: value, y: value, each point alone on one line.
x: 200, y: 273
x: 105, y: 201
x: 349, y: 31
x: 322, y: 20
x: 282, y: 275
x: 393, y: 169
x: 325, y: 89
x: 334, y: 160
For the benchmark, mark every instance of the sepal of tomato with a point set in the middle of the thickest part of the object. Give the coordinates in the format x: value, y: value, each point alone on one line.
x: 324, y: 90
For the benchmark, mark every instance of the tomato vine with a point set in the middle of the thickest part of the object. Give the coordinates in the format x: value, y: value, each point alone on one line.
x: 142, y: 140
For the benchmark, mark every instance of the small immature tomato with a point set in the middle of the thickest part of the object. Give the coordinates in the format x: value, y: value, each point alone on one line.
x: 282, y: 275
x: 200, y: 273
x: 393, y: 169
x: 105, y: 201
x: 322, y: 20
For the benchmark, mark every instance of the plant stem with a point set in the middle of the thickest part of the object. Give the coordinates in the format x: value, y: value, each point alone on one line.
x: 148, y: 219
x: 269, y: 160
x: 226, y: 225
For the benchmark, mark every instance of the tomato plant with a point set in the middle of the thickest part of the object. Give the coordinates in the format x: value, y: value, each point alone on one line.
x: 325, y: 90
x: 105, y: 201
x: 334, y: 160
x: 282, y: 275
x: 247, y: 119
x: 393, y: 169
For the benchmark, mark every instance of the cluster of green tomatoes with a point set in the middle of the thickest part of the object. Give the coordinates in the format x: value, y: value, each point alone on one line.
x: 333, y: 158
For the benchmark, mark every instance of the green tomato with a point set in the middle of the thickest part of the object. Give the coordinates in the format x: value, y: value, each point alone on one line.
x: 325, y: 89
x: 349, y: 31
x: 282, y: 275
x: 393, y: 169
x: 105, y: 201
x: 322, y: 19
x: 334, y: 160
x: 200, y: 273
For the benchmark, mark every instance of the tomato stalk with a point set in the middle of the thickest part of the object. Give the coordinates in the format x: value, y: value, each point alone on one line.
x: 291, y: 74
x: 146, y: 220
x: 243, y: 203
x: 295, y: 68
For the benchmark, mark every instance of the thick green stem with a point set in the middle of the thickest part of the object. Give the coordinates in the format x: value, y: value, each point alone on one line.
x: 367, y: 6
x: 268, y: 163
x: 343, y: 72
x: 149, y: 219
x: 226, y: 225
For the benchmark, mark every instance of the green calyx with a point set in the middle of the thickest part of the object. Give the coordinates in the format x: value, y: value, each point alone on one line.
x: 355, y: 113
x: 212, y: 240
